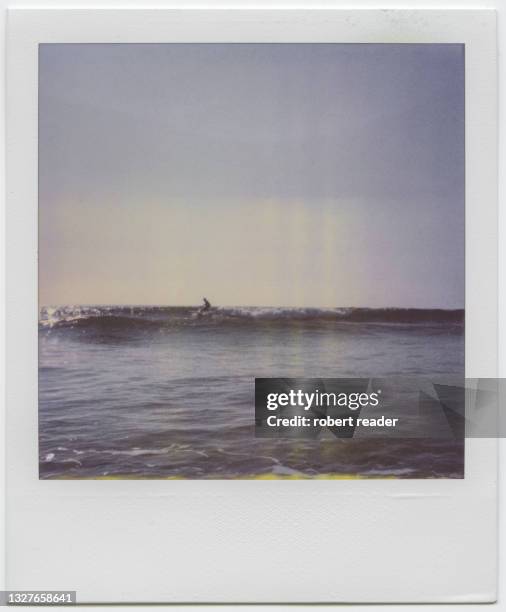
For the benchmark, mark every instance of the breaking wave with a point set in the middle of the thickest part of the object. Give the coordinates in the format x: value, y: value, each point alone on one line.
x: 144, y: 317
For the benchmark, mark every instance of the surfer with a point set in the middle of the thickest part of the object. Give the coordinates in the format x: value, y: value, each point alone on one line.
x: 206, y: 306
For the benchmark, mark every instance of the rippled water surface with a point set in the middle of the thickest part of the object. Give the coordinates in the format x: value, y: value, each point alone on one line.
x: 166, y: 392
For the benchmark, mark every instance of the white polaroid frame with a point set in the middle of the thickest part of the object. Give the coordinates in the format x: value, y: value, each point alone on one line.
x: 249, y: 541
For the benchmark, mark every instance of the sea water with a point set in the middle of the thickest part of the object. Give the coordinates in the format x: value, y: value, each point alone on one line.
x: 157, y: 392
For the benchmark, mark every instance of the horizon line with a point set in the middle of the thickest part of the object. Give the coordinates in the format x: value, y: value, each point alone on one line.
x: 198, y: 305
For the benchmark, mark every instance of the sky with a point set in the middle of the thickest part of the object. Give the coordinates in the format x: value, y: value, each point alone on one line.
x: 299, y: 175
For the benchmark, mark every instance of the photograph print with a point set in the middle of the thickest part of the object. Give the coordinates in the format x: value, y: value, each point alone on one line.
x: 211, y: 214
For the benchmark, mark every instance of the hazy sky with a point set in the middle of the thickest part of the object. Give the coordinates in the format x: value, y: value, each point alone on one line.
x: 254, y: 174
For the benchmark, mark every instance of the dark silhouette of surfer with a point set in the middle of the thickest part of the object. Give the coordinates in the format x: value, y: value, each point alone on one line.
x: 206, y: 306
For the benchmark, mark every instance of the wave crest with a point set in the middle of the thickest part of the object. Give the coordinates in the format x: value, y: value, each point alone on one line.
x: 141, y: 317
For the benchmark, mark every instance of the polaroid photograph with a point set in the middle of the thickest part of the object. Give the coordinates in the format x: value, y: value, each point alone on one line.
x: 313, y: 194
x: 254, y: 244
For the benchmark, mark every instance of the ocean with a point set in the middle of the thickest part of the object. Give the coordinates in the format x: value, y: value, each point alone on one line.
x: 163, y: 392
